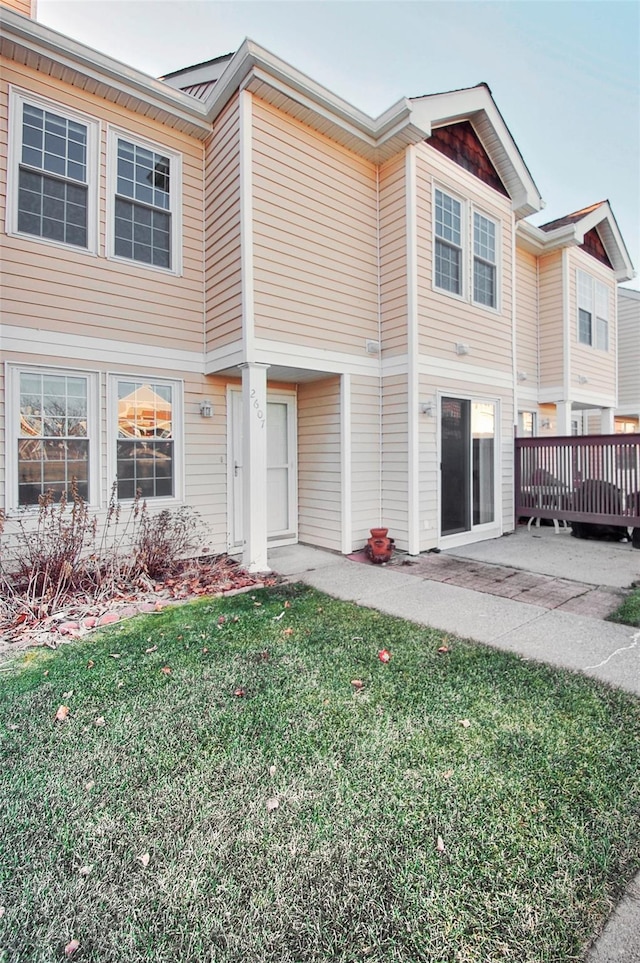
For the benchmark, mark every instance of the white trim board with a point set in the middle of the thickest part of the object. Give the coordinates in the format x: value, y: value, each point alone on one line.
x: 57, y: 344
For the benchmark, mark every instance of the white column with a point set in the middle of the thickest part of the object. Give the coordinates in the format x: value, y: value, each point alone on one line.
x: 563, y: 417
x: 254, y: 466
x: 607, y: 425
x: 345, y: 452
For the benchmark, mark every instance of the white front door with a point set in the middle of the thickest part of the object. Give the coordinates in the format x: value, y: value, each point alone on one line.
x: 281, y: 468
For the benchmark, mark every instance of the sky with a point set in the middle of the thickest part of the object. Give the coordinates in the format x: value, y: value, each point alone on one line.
x: 565, y: 74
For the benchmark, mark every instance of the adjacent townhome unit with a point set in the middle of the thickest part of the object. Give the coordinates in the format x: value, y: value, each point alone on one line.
x: 628, y: 410
x: 231, y: 289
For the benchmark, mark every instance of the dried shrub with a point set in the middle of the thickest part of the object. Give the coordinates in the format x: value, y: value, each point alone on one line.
x: 65, y: 553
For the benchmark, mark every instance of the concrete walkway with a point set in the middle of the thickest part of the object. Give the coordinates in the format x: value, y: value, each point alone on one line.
x: 549, y: 631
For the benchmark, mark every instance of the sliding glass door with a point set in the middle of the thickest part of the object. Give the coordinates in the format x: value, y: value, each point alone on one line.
x: 468, y: 458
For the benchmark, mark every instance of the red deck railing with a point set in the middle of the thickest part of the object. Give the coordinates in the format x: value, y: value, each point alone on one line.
x: 591, y: 478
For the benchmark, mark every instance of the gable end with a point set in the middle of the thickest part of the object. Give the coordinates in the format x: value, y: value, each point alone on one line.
x: 593, y: 245
x: 460, y: 143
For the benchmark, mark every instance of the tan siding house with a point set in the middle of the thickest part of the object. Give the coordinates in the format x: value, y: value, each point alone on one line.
x: 231, y: 289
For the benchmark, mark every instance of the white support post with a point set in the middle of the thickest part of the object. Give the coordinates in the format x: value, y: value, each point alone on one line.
x: 563, y: 418
x: 607, y: 423
x: 254, y: 469
x: 345, y: 449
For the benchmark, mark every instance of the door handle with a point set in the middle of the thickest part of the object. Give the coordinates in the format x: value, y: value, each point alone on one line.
x: 236, y: 467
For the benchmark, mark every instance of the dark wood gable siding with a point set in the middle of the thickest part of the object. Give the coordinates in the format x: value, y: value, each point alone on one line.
x: 594, y: 246
x: 461, y: 144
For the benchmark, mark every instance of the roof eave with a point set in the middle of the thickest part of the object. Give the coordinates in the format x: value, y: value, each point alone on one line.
x: 121, y: 79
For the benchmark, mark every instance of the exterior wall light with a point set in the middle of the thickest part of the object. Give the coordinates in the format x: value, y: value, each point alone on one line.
x: 206, y: 408
x: 522, y: 376
x: 427, y: 407
x: 582, y: 380
x: 462, y: 348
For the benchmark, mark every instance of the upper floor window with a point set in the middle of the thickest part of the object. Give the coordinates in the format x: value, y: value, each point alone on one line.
x: 145, y: 202
x: 54, y: 166
x: 484, y: 260
x: 593, y: 312
x: 465, y: 244
x: 448, y: 247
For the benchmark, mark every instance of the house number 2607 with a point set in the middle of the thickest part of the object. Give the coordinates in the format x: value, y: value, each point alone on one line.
x: 256, y: 405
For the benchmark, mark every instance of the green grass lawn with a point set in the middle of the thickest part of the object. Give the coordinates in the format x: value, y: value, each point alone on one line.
x: 288, y: 815
x: 629, y: 611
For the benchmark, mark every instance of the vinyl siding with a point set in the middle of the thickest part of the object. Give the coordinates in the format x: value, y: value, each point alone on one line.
x: 527, y: 318
x: 393, y: 257
x: 365, y: 457
x: 314, y: 241
x: 395, y: 464
x: 222, y: 252
x: 445, y: 319
x: 57, y: 288
x: 204, y: 467
x: 629, y: 351
x: 550, y: 312
x: 319, y: 464
x: 599, y: 367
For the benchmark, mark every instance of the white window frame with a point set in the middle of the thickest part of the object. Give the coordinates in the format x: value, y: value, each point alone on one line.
x: 17, y: 100
x: 592, y: 297
x: 177, y: 386
x: 12, y: 381
x: 495, y: 264
x: 468, y: 210
x: 463, y: 242
x: 114, y: 134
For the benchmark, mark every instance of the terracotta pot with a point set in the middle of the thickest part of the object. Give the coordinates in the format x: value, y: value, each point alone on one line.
x: 379, y: 547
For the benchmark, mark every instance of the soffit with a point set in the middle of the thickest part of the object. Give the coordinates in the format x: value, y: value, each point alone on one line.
x: 52, y: 55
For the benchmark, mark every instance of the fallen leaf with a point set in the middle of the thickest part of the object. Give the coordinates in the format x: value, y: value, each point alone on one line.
x: 221, y: 620
x: 114, y: 655
x: 90, y: 664
x: 67, y: 695
x: 71, y: 948
x: 272, y: 770
x: 447, y: 774
x: 236, y: 618
x: 272, y: 803
x: 13, y: 727
x: 2, y: 911
x: 89, y: 785
x: 287, y: 605
x: 144, y: 859
x: 46, y: 672
x: 205, y: 650
x: 120, y: 685
x: 62, y: 714
x: 277, y: 618
x: 288, y: 631
x: 153, y: 648
x: 440, y: 846
x: 239, y: 693
x: 443, y: 649
x: 357, y: 684
x: 465, y: 723
x: 384, y: 655
x: 257, y: 604
x: 165, y: 670
x: 85, y: 870
x: 100, y: 721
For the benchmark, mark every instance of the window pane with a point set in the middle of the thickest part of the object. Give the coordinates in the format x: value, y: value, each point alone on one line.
x: 484, y: 283
x: 142, y: 234
x: 602, y: 334
x: 53, y: 447
x: 484, y: 238
x: 52, y: 208
x: 447, y: 273
x: 448, y: 218
x: 584, y: 326
x: 145, y: 447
